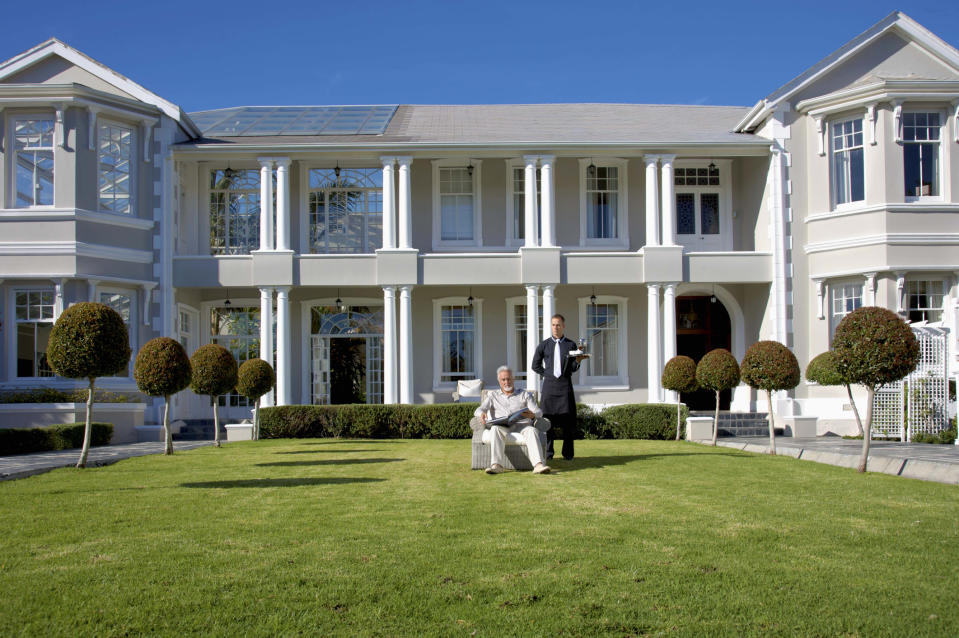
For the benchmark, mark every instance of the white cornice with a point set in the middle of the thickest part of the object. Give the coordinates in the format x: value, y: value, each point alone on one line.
x: 920, y: 208
x: 75, y: 248
x: 79, y: 214
x: 144, y: 283
x: 880, y: 91
x: 877, y: 270
x: 884, y: 239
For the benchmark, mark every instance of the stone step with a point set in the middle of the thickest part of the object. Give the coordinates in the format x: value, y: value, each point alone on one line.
x: 741, y: 423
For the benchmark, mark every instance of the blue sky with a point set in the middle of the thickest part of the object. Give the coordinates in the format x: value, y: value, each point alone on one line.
x: 204, y: 55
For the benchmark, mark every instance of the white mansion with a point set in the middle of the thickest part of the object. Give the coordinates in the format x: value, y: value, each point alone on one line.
x: 381, y: 253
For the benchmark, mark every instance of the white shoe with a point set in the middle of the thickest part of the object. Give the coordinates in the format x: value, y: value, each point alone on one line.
x: 495, y: 468
x: 541, y: 468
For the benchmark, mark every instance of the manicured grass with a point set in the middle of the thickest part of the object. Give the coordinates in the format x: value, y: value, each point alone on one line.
x: 399, y: 538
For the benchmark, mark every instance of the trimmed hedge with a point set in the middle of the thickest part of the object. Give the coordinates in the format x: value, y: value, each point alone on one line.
x: 53, y: 395
x: 451, y: 421
x: 51, y: 437
x: 655, y: 421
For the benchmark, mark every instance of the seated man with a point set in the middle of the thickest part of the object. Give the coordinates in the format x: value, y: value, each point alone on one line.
x: 503, y: 403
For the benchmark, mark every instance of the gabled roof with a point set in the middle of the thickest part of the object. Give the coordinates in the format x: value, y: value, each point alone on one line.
x: 55, y: 47
x: 896, y: 22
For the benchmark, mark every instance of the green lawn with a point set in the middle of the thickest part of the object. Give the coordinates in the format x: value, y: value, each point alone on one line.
x: 399, y: 538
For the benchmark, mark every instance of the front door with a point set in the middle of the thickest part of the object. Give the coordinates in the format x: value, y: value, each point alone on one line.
x: 702, y: 324
x: 346, y: 355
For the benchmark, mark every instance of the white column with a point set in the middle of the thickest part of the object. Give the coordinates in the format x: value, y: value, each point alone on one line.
x: 669, y: 200
x: 529, y: 190
x: 389, y: 344
x: 406, y: 217
x: 266, y: 334
x: 549, y: 309
x: 532, y: 336
x: 653, y: 335
x: 284, y: 350
x: 266, y: 203
x: 389, y: 204
x: 669, y: 329
x: 548, y: 212
x: 406, y: 345
x: 652, y: 201
x: 92, y: 289
x: 283, y: 204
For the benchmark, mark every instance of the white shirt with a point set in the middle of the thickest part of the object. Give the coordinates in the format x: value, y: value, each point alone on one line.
x: 497, y: 403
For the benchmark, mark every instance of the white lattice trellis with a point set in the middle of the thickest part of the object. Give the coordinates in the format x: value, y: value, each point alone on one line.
x: 918, y: 403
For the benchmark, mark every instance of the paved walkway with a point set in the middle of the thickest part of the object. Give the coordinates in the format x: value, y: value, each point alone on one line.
x: 21, y: 465
x: 923, y: 461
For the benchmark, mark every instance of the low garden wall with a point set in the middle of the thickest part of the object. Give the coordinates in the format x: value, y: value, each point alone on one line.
x: 125, y: 417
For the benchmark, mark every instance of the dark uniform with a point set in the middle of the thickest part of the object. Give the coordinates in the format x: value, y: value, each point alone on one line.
x: 557, y: 400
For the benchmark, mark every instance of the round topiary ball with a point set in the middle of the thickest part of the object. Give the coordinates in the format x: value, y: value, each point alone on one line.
x: 214, y: 370
x: 718, y: 370
x: 874, y: 346
x: 255, y: 378
x: 769, y: 365
x: 679, y: 375
x: 89, y: 340
x: 162, y: 367
x: 823, y: 369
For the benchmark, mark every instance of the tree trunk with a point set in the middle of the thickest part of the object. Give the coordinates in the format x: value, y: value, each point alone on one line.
x: 855, y: 410
x: 716, y: 420
x: 867, y: 435
x: 216, y: 423
x: 88, y: 430
x: 167, y: 435
x: 678, y: 418
x: 772, y: 423
x: 256, y: 420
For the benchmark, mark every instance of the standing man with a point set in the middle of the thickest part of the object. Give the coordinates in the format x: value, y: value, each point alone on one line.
x: 553, y: 363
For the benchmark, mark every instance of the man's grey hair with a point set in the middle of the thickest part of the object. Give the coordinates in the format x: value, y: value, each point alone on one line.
x: 501, y: 368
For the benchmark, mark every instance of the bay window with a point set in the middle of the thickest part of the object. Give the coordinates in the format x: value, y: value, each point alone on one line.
x: 115, y: 152
x: 34, y: 320
x: 844, y: 298
x: 924, y: 300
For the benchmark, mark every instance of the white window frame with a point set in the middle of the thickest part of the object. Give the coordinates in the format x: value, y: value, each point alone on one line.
x: 132, y: 326
x: 697, y: 241
x: 132, y: 177
x: 943, y: 294
x: 12, y: 331
x: 447, y: 386
x: 834, y: 286
x: 206, y: 337
x: 834, y: 152
x: 10, y: 147
x: 511, y: 338
x: 511, y: 212
x: 438, y: 242
x: 942, y: 142
x: 206, y: 205
x: 622, y: 208
x: 306, y: 226
x: 621, y: 381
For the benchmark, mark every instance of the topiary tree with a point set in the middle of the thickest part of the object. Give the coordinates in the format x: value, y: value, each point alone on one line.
x: 824, y: 370
x: 162, y: 368
x: 769, y: 366
x: 214, y: 373
x: 717, y: 371
x: 254, y: 379
x: 679, y: 375
x: 873, y: 346
x: 88, y: 341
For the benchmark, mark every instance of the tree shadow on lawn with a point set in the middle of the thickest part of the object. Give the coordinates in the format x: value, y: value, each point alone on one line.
x: 327, y: 462
x: 332, y: 441
x: 282, y: 482
x: 336, y: 451
x: 595, y: 462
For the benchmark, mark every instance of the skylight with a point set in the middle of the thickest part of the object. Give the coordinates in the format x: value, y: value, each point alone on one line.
x: 294, y: 120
